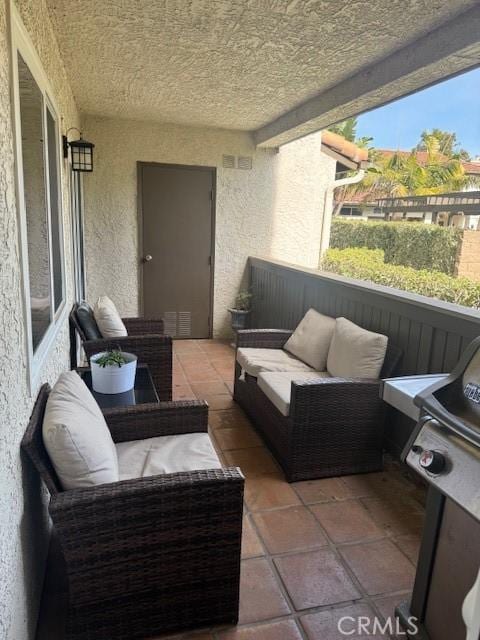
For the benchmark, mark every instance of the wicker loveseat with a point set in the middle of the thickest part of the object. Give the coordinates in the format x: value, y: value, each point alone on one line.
x: 332, y: 426
x: 145, y: 339
x: 150, y: 555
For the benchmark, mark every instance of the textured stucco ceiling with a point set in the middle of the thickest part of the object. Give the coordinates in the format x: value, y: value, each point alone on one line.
x: 231, y: 64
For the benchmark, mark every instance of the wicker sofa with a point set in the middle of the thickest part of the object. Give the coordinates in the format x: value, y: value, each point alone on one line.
x: 150, y: 555
x: 145, y: 339
x: 333, y: 426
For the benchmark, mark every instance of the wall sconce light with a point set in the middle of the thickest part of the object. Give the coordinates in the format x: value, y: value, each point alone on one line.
x: 82, y: 152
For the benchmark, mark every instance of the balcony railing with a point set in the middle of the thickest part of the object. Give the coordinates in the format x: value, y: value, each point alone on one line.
x: 467, y: 202
x: 432, y: 334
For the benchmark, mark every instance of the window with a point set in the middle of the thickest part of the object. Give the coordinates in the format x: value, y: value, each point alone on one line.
x: 39, y: 199
x: 31, y: 122
x: 350, y: 211
x: 56, y: 226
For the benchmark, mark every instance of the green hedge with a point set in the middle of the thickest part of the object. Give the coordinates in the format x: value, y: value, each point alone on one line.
x: 368, y: 264
x: 412, y: 244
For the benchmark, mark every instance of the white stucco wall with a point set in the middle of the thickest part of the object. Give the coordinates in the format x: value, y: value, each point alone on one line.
x: 23, y: 515
x: 273, y: 210
x: 301, y: 187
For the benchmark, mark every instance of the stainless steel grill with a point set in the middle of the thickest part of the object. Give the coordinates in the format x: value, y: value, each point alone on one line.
x: 444, y: 450
x: 445, y: 446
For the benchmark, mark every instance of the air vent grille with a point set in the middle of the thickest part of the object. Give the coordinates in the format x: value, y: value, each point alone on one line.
x: 244, y: 162
x: 177, y: 324
x: 184, y: 324
x: 170, y: 323
x: 228, y: 162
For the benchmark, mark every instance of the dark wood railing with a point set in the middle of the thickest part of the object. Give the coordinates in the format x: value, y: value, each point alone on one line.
x: 432, y: 334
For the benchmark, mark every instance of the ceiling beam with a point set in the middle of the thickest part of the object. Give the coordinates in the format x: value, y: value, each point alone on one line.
x: 451, y: 48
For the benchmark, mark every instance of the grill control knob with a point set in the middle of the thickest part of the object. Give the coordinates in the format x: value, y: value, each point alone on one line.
x: 432, y: 461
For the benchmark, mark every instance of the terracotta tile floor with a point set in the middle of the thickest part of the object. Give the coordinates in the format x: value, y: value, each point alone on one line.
x: 312, y: 551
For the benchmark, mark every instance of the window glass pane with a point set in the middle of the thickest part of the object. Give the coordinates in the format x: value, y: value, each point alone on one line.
x: 55, y: 211
x: 31, y: 121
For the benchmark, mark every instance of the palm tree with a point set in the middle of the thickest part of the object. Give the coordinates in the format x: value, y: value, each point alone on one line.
x: 448, y: 142
x: 403, y: 175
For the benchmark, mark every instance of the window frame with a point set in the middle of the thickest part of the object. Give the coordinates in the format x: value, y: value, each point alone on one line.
x: 23, y: 46
x: 49, y: 106
x: 78, y: 233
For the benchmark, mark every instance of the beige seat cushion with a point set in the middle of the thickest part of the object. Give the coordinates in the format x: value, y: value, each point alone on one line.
x: 277, y: 386
x: 355, y: 352
x: 166, y: 454
x: 108, y: 319
x: 76, y: 435
x: 311, y: 339
x: 253, y: 361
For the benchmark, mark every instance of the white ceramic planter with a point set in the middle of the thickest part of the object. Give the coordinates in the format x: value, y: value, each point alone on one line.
x: 113, y: 379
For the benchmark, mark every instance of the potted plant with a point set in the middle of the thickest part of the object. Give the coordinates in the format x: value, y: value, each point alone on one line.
x: 241, y: 310
x: 113, y: 371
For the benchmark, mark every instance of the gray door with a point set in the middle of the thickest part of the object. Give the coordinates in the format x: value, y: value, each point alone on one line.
x: 177, y: 227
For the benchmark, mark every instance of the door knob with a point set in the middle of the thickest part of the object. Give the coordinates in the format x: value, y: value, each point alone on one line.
x: 147, y: 258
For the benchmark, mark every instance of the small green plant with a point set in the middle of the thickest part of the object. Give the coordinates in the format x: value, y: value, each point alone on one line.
x: 112, y: 358
x: 242, y: 301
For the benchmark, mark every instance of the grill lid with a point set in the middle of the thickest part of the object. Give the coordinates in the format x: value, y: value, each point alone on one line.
x: 455, y: 400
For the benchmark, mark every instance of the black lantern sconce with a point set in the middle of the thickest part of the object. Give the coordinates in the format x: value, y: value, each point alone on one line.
x: 82, y: 152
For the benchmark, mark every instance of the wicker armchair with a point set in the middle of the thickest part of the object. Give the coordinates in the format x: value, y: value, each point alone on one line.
x: 145, y: 339
x: 152, y: 555
x: 335, y: 425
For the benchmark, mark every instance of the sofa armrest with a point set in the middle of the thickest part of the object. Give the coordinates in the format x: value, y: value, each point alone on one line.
x: 142, y: 326
x: 331, y: 399
x: 117, y: 536
x: 154, y: 489
x: 153, y: 350
x: 152, y: 420
x: 263, y: 338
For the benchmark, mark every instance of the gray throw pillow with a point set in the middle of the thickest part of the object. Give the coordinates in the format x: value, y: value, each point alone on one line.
x: 310, y: 341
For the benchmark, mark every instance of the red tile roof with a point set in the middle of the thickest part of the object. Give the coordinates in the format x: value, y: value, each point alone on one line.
x: 470, y: 168
x: 422, y: 156
x: 361, y: 197
x: 344, y: 147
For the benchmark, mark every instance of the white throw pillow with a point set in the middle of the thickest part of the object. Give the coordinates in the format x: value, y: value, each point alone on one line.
x: 76, y: 435
x: 108, y: 319
x: 355, y: 352
x: 311, y: 340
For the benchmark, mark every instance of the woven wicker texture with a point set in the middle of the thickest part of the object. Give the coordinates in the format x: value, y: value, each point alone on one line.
x: 335, y: 426
x: 146, y: 556
x: 146, y: 340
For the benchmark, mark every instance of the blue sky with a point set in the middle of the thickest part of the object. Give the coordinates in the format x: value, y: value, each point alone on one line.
x: 453, y: 105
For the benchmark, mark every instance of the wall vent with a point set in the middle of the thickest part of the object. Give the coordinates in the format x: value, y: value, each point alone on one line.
x: 170, y: 323
x: 244, y: 162
x: 184, y: 324
x: 177, y: 324
x: 228, y: 162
